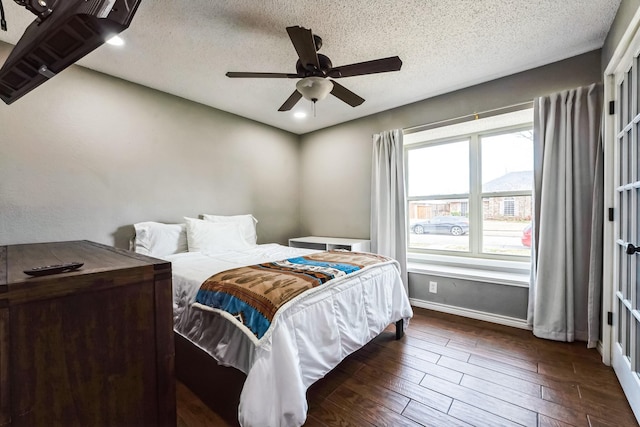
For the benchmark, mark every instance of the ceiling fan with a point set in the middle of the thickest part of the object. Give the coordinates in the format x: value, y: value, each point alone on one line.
x: 313, y: 70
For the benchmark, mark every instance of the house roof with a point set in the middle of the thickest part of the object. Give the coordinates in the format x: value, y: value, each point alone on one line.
x: 512, y: 181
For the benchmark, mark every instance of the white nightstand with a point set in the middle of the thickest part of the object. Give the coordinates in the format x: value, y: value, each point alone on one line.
x: 329, y: 243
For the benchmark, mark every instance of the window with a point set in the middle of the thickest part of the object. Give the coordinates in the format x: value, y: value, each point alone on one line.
x: 469, y: 188
x: 508, y: 207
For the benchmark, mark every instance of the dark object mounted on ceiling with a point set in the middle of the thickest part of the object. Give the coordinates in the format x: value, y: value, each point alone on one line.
x: 63, y: 32
x: 314, y: 69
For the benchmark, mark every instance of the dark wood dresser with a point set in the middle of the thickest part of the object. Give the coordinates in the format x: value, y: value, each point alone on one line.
x: 92, y: 347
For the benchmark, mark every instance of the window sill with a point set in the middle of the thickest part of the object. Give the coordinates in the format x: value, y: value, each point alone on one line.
x: 489, y: 271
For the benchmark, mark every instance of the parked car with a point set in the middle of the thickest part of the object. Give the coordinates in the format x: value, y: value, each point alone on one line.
x: 455, y: 225
x: 526, y: 236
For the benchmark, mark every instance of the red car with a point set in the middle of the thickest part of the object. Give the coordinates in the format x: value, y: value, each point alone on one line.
x: 526, y: 236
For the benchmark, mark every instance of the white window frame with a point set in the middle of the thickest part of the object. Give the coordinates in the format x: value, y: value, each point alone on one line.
x: 441, y: 261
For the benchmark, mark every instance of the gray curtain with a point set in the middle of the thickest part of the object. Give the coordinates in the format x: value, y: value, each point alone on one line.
x: 566, y: 273
x: 388, y: 204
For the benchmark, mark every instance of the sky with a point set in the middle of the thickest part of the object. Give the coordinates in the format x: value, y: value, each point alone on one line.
x: 444, y: 168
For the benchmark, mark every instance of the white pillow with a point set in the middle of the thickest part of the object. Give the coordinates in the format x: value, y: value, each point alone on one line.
x: 247, y: 224
x: 157, y: 239
x: 206, y: 236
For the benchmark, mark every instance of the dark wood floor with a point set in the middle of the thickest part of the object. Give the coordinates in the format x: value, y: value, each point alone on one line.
x: 453, y: 371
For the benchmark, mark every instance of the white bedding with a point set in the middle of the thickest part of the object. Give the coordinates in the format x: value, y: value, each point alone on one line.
x: 309, y: 339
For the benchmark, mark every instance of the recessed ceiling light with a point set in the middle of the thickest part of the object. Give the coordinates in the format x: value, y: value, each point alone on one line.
x: 299, y: 115
x: 115, y: 41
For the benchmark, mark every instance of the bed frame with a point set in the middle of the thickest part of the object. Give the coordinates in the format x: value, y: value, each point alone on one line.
x: 217, y: 386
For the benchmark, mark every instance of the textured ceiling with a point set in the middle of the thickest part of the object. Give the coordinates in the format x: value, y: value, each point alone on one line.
x: 184, y: 47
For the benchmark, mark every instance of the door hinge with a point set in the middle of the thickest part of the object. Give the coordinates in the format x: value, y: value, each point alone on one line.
x: 609, y: 318
x: 612, y: 107
x: 610, y: 214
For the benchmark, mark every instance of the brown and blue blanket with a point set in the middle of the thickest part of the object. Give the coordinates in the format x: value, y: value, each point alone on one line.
x: 254, y: 294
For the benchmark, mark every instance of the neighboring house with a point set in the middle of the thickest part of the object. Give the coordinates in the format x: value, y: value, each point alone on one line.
x: 509, y: 208
x: 494, y: 208
x: 428, y: 210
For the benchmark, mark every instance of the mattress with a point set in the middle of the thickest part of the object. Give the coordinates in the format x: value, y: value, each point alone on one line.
x: 309, y: 339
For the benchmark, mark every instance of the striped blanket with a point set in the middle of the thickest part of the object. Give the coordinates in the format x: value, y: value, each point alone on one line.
x: 253, y: 295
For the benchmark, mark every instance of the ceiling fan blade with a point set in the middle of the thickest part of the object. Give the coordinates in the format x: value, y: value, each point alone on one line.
x: 382, y: 65
x: 302, y: 40
x: 345, y: 95
x: 291, y: 101
x: 263, y: 75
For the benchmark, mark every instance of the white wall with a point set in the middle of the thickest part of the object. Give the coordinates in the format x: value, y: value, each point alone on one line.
x: 86, y: 155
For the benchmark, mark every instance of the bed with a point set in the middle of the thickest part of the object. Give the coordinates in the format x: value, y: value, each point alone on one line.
x: 310, y: 335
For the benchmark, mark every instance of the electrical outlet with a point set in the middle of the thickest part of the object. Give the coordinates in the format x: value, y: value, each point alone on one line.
x: 433, y: 287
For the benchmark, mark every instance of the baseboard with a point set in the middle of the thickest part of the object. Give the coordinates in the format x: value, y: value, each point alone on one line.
x: 600, y: 348
x: 473, y: 314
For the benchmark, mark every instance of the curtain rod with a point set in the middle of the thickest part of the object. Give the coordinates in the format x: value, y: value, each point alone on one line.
x: 469, y: 117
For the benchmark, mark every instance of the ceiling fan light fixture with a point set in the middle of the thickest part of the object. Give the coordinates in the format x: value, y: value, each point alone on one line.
x: 314, y: 88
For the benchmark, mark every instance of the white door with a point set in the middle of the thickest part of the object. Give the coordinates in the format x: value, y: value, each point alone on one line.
x: 625, y: 303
